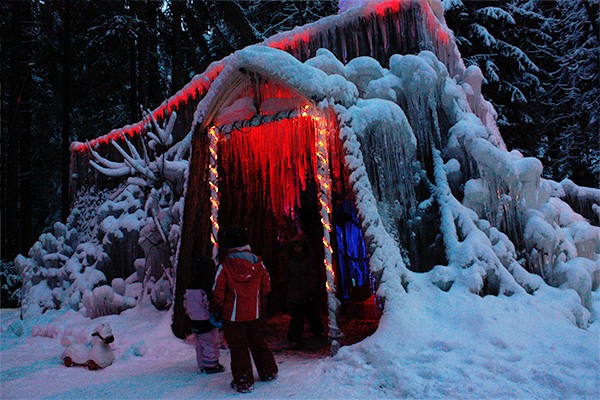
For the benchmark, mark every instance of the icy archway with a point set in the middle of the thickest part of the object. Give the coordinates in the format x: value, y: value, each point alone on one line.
x: 435, y: 187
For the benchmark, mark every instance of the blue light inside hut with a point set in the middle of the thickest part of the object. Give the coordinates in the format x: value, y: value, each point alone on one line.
x: 354, y: 276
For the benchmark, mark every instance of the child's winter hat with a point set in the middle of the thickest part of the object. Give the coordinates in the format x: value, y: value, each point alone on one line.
x: 235, y: 236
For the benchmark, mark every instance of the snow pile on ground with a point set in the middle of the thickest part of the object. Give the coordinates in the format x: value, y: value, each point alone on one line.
x: 435, y: 345
x: 65, y: 265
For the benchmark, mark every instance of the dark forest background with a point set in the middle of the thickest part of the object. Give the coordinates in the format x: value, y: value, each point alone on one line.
x: 75, y: 69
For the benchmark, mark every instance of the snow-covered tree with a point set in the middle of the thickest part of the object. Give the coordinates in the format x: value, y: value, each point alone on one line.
x: 495, y: 36
x: 540, y: 62
x: 158, y: 169
x: 95, y: 248
x: 571, y: 114
x: 10, y: 283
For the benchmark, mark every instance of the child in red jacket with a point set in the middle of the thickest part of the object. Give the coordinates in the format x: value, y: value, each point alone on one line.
x: 241, y: 285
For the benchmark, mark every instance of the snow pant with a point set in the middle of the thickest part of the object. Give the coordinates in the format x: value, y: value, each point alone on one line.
x: 245, y: 338
x: 300, y: 312
x: 207, y: 348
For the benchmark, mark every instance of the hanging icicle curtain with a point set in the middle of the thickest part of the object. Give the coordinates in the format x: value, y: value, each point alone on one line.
x: 276, y: 160
x: 262, y: 138
x: 377, y: 30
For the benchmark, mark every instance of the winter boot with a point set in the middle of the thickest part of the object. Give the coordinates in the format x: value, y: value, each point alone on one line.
x: 269, y: 378
x: 214, y: 370
x: 242, y: 388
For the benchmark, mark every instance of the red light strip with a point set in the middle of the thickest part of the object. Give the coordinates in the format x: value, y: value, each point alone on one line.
x: 197, y: 87
x: 289, y: 40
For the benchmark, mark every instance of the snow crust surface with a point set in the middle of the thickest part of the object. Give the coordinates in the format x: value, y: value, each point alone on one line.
x: 437, y: 345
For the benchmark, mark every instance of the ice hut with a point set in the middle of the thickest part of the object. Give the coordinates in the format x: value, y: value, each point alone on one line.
x: 357, y: 130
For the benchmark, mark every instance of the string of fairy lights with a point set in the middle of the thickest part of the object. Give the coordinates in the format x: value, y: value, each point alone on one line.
x: 324, y: 182
x: 214, y: 189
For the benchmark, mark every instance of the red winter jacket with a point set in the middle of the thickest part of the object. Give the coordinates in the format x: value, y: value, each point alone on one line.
x: 241, y: 283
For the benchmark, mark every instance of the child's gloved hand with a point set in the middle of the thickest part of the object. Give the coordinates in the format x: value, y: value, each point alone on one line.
x: 215, y: 320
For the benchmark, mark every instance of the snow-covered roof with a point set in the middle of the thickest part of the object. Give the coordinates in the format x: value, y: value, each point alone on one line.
x: 297, y: 41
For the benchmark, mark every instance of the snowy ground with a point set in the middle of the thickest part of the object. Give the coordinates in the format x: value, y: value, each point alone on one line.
x: 437, y: 345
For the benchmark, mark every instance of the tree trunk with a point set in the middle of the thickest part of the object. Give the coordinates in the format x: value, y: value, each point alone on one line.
x: 66, y: 109
x: 238, y: 33
x: 16, y: 204
x: 8, y: 176
x: 134, y: 73
x: 177, y: 71
x: 155, y: 94
x: 148, y: 78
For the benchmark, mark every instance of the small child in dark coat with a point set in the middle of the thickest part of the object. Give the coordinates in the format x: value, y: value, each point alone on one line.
x: 196, y: 304
x: 301, y: 283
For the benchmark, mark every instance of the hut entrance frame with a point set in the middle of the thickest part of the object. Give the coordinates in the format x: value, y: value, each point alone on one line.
x: 319, y: 119
x: 270, y: 155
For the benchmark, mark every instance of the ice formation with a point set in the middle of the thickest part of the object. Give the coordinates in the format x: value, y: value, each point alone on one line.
x: 93, y: 263
x: 440, y: 199
x: 430, y: 158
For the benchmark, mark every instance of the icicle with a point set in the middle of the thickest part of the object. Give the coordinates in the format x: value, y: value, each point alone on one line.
x: 274, y: 161
x: 383, y: 27
x: 387, y: 138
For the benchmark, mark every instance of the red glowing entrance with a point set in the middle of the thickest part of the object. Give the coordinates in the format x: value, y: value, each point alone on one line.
x: 275, y: 179
x: 268, y: 174
x: 268, y: 159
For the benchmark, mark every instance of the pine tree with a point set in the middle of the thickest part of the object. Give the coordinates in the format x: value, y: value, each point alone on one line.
x: 540, y: 60
x: 571, y: 117
x: 17, y: 234
x: 492, y: 35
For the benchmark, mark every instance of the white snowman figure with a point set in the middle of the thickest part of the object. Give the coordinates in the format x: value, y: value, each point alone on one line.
x: 95, y: 354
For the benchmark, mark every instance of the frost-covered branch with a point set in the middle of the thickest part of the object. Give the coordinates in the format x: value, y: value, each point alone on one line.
x: 158, y: 160
x: 163, y: 136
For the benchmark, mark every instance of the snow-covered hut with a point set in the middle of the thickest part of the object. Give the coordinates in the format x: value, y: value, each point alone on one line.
x: 366, y: 131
